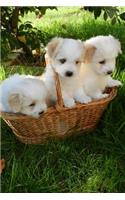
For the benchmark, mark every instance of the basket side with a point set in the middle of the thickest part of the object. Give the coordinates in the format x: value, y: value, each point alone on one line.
x: 59, y: 124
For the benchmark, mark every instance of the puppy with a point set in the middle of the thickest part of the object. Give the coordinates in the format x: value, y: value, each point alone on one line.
x: 64, y: 57
x: 99, y: 63
x: 23, y: 94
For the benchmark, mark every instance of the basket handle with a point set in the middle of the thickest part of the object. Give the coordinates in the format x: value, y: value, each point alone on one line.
x: 60, y: 103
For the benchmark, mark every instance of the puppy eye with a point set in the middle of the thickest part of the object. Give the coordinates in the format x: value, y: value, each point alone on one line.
x: 62, y: 60
x: 102, y: 62
x: 32, y: 104
x: 77, y: 62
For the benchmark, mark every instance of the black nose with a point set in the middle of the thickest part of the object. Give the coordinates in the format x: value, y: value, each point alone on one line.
x: 68, y: 73
x: 109, y: 72
x: 41, y: 112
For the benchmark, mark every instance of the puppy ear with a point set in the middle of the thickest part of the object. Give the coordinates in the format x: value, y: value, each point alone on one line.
x: 14, y: 102
x: 89, y: 52
x: 53, y: 46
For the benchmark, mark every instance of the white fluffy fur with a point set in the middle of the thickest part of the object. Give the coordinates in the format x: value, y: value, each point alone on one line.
x: 19, y: 92
x: 72, y: 51
x: 94, y: 75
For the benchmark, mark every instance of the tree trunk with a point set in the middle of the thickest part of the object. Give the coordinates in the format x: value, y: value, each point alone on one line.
x: 15, y: 19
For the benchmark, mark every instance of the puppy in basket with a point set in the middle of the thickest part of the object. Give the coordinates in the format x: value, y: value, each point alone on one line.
x: 23, y: 94
x: 99, y: 63
x: 64, y: 56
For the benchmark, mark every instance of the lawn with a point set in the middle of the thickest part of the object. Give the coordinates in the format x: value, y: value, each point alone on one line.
x: 93, y: 162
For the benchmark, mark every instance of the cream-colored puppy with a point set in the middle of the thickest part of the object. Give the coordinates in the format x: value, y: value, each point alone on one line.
x: 99, y: 63
x: 65, y: 57
x: 23, y: 94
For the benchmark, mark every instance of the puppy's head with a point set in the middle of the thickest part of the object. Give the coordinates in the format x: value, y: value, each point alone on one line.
x: 29, y: 98
x: 65, y: 56
x: 101, y: 53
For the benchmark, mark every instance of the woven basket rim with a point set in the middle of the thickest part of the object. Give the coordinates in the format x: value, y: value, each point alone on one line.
x: 112, y: 93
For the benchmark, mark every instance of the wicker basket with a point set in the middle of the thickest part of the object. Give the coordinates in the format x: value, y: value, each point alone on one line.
x: 58, y: 121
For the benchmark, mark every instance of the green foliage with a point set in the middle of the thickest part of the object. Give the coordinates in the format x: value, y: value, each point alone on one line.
x: 30, y: 35
x: 122, y: 15
x: 5, y: 46
x: 19, y: 34
x: 108, y: 12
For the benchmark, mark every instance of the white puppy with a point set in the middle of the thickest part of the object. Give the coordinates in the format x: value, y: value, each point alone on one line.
x: 23, y: 94
x: 65, y: 57
x: 99, y: 62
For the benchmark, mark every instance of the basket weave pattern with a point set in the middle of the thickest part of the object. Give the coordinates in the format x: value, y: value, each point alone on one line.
x: 58, y: 122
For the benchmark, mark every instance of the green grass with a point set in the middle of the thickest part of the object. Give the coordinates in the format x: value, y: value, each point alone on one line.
x: 93, y: 162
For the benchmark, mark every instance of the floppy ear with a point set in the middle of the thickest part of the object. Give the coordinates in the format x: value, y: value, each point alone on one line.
x: 14, y: 102
x: 53, y: 46
x: 89, y: 52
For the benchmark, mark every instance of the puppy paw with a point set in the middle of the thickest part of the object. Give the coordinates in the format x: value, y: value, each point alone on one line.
x: 69, y: 103
x: 85, y: 99
x: 114, y: 83
x: 100, y: 96
x: 105, y: 95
